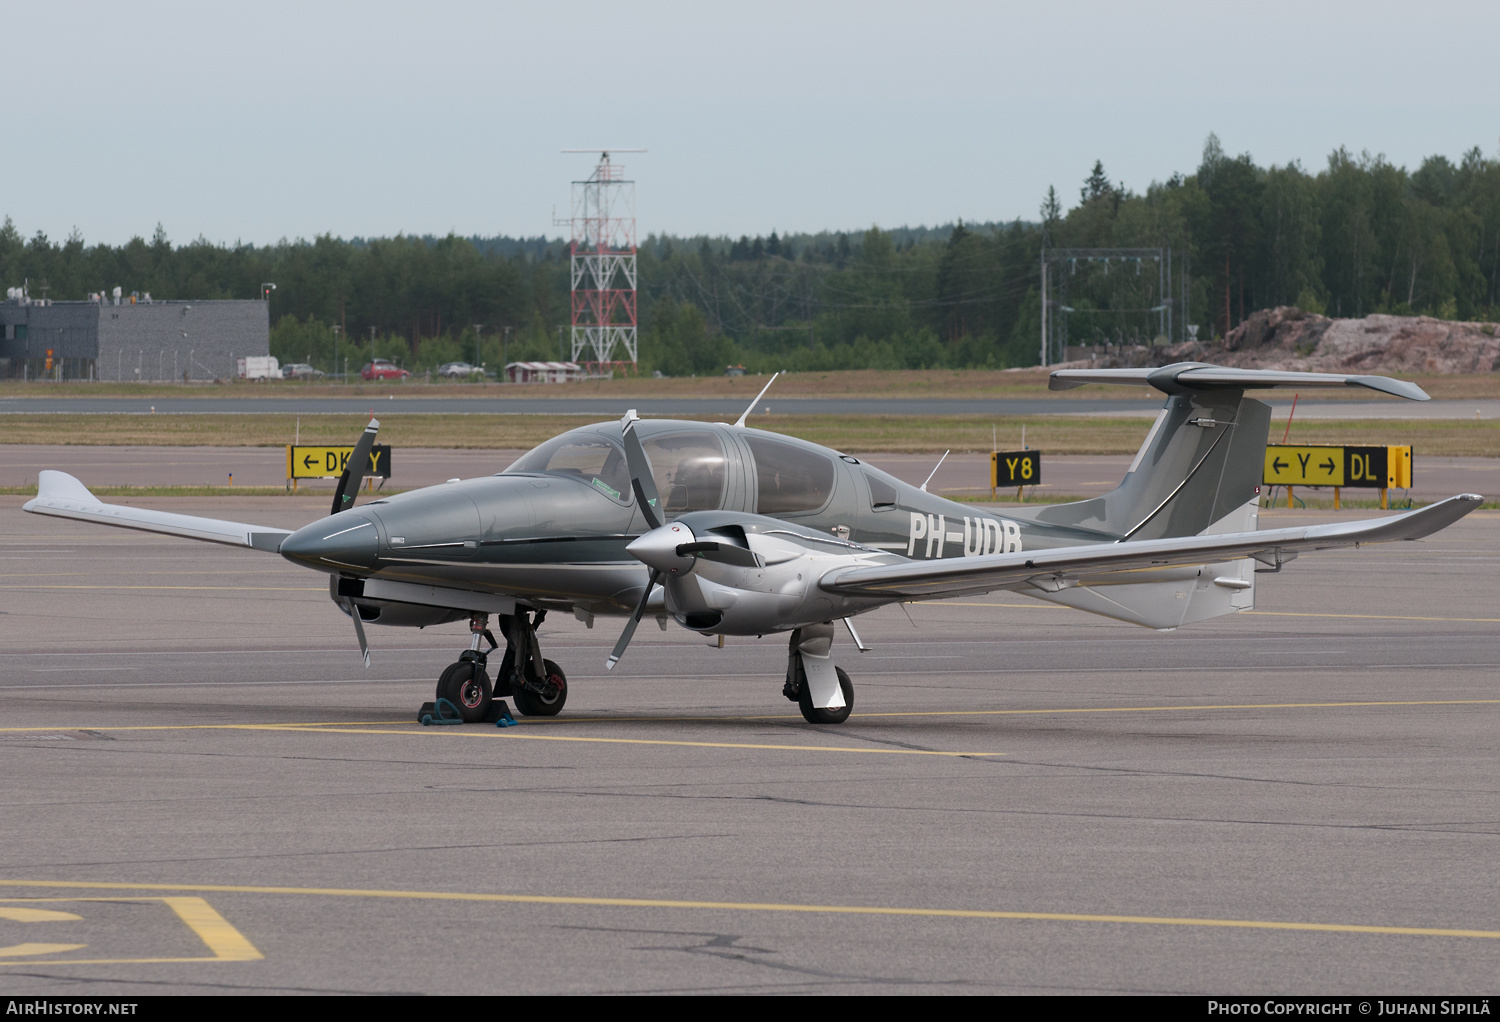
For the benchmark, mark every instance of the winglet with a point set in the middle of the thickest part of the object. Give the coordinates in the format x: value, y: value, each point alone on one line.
x: 54, y: 485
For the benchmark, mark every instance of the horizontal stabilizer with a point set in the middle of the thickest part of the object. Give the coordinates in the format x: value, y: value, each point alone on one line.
x: 1185, y: 376
x: 1065, y: 566
x: 63, y: 496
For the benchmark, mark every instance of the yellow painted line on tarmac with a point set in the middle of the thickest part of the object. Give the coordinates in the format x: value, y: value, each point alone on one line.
x: 386, y: 725
x: 277, y: 726
x: 226, y: 943
x: 497, y: 733
x: 1370, y: 617
x: 35, y: 949
x: 756, y: 906
x: 1263, y: 613
x: 66, y: 574
x: 233, y: 589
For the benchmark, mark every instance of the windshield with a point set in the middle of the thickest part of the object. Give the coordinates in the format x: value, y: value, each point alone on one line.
x: 586, y: 457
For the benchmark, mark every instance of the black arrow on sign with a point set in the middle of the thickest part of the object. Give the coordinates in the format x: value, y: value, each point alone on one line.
x: 307, y: 462
x: 1278, y: 465
x: 1328, y: 465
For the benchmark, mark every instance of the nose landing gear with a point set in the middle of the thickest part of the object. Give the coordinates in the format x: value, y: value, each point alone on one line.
x: 465, y: 683
x: 538, y: 685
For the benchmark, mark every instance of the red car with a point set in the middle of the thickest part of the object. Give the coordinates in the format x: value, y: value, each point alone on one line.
x: 380, y: 369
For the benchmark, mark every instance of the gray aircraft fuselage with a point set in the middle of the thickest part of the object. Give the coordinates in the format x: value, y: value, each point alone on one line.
x: 551, y: 530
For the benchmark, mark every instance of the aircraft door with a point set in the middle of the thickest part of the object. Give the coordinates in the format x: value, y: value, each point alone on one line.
x: 791, y: 480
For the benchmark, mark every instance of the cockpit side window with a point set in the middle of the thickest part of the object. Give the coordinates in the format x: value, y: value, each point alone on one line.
x: 789, y: 478
x: 588, y: 458
x: 689, y: 469
x: 882, y: 493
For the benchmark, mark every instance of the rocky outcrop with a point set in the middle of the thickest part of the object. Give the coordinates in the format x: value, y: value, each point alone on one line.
x: 1288, y: 338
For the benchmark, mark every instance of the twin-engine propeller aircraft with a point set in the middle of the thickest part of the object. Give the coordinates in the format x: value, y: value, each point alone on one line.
x: 736, y: 531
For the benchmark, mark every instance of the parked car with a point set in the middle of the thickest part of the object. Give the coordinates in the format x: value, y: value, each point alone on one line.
x: 380, y: 369
x: 301, y: 371
x: 459, y: 370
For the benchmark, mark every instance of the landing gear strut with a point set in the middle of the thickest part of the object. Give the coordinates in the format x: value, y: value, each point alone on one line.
x: 465, y: 683
x: 823, y: 692
x: 539, y: 686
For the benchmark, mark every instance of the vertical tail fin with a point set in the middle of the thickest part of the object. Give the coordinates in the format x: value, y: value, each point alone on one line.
x: 1200, y: 463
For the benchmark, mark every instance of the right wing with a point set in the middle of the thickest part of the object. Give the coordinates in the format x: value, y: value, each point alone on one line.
x: 1051, y: 570
x: 63, y: 496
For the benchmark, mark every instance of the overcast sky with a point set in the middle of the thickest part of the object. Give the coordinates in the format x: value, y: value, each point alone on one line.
x: 260, y: 121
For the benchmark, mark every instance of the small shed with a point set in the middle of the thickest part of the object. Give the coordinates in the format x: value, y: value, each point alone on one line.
x: 543, y: 372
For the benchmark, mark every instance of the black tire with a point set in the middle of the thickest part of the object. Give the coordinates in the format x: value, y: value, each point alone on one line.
x: 816, y: 714
x: 466, y: 686
x: 550, y: 703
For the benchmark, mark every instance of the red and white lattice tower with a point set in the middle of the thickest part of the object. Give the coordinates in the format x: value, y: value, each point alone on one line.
x: 603, y: 264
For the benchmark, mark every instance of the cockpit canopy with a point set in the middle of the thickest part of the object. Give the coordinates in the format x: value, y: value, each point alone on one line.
x: 689, y: 465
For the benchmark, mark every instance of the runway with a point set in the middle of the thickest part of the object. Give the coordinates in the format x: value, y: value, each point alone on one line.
x: 208, y: 792
x: 1145, y: 404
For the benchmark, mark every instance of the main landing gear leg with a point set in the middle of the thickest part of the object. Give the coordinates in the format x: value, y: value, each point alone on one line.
x: 465, y: 684
x: 539, y: 686
x: 823, y: 692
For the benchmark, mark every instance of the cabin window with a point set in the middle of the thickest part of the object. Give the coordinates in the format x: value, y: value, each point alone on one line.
x: 589, y: 459
x: 689, y: 469
x: 882, y: 493
x: 789, y: 478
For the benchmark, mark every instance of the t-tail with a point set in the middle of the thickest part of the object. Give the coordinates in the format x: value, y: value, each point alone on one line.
x: 1198, y: 472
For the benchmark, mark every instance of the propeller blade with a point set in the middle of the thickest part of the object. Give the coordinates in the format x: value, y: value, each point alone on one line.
x: 635, y: 619
x: 641, y: 479
x: 359, y: 631
x: 354, y: 471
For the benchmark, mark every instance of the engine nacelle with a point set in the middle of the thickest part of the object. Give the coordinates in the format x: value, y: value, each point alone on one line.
x: 736, y: 574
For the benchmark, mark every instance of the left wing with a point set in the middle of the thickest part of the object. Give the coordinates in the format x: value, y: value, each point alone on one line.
x: 1053, y: 569
x: 63, y: 496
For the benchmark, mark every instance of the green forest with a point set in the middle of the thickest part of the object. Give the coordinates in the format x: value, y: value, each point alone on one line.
x: 1355, y: 237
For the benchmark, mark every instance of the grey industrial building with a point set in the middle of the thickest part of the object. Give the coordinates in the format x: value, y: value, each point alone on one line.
x: 131, y: 340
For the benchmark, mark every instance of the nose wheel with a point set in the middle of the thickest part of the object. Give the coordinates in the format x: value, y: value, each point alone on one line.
x: 466, y: 686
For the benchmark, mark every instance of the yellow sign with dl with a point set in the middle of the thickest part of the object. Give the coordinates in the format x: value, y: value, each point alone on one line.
x: 1377, y: 468
x: 330, y: 462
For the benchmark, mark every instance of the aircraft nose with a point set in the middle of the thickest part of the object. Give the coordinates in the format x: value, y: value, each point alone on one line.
x: 344, y: 540
x: 658, y: 549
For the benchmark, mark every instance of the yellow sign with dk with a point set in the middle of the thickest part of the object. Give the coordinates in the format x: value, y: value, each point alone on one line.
x: 330, y: 462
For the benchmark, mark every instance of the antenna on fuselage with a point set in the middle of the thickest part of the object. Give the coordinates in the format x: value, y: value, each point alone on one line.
x: 935, y: 468
x: 741, y: 420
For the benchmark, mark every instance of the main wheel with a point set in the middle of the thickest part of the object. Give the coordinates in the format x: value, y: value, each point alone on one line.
x: 816, y: 714
x: 466, y: 686
x: 554, y: 694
